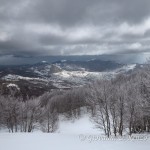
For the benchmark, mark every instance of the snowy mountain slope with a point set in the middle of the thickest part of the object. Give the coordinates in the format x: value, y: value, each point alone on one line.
x: 43, y: 76
x: 12, y: 77
x: 24, y: 86
x: 45, y: 70
x: 93, y: 65
x: 77, y: 78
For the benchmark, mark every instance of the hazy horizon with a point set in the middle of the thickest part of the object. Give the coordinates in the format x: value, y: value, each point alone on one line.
x: 119, y: 58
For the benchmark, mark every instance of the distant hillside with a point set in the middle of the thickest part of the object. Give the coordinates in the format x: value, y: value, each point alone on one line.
x: 34, y: 80
x: 94, y: 65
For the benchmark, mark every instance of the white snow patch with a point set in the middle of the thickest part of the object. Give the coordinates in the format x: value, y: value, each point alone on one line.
x: 13, y: 85
x: 44, y: 61
x: 63, y: 60
x: 80, y: 77
x: 131, y: 67
x: 78, y: 126
x: 11, y: 77
x: 77, y: 74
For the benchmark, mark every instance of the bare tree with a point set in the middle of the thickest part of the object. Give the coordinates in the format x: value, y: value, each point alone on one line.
x: 49, y: 120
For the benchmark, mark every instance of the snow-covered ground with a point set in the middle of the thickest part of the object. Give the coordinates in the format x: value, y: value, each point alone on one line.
x: 43, y: 141
x: 79, y: 134
x: 77, y: 126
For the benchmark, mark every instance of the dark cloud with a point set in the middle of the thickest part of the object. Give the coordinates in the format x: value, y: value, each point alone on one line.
x: 69, y: 27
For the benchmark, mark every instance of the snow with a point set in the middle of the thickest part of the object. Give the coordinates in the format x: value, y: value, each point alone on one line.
x: 68, y: 79
x: 132, y: 66
x: 78, y: 134
x: 11, y: 77
x: 63, y: 60
x: 126, y: 68
x: 79, y: 126
x: 43, y: 141
x: 78, y: 75
x: 79, y: 78
x: 44, y: 61
x: 13, y: 85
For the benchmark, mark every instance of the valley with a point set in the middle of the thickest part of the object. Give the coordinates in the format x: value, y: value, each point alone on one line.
x: 34, y: 80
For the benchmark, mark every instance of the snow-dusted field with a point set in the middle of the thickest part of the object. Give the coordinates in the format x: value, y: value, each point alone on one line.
x: 43, y: 141
x: 78, y: 126
x: 71, y: 135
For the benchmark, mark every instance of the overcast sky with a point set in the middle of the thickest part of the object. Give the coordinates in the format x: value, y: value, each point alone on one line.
x: 74, y: 27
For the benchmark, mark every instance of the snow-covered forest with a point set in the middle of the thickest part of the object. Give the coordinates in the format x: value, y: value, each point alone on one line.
x: 116, y: 106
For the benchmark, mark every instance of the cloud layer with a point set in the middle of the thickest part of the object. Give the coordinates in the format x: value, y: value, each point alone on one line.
x: 74, y: 27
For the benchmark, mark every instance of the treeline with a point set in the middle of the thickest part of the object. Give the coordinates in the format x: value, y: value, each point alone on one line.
x: 41, y: 113
x: 122, y: 104
x: 116, y: 106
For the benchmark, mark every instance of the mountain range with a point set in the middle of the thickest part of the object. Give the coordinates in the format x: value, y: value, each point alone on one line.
x: 35, y: 79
